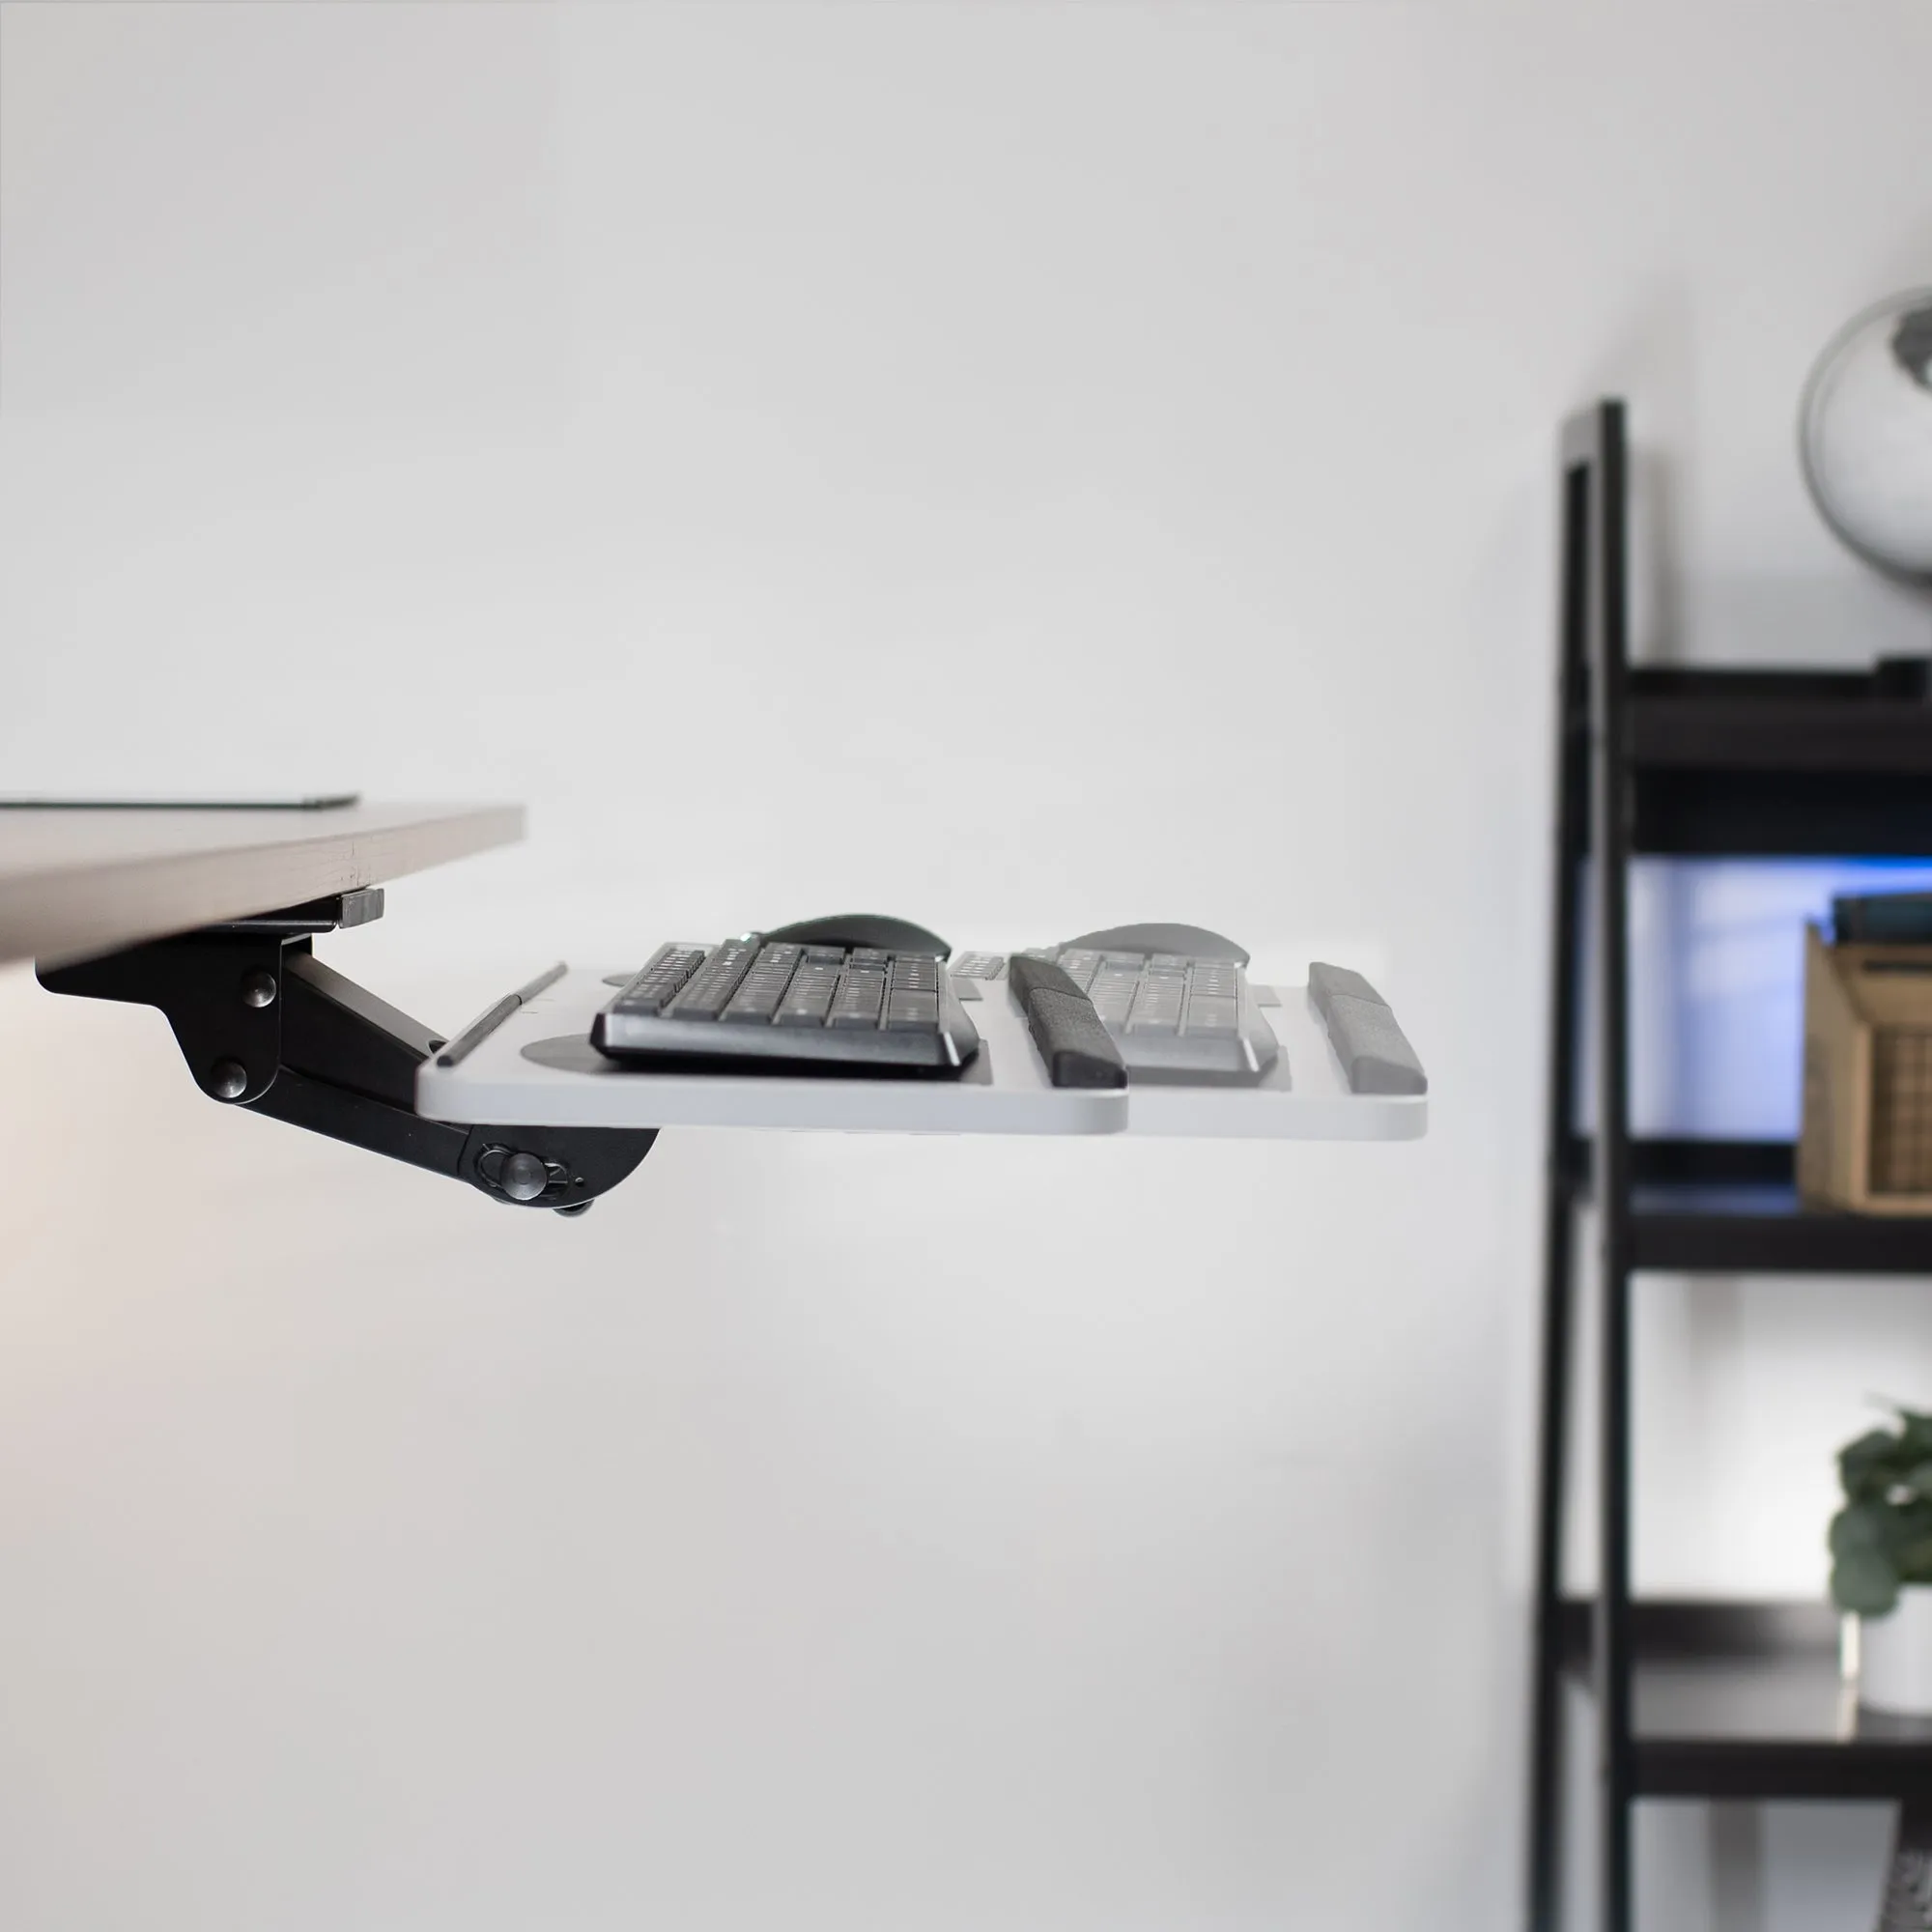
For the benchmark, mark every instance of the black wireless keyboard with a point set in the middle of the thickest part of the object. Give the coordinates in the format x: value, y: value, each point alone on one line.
x: 856, y: 996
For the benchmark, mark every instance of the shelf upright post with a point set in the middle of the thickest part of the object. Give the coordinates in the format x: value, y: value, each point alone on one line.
x: 1607, y: 645
x: 1572, y: 806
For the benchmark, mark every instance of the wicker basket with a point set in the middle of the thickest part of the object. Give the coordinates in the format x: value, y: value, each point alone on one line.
x: 1866, y: 1138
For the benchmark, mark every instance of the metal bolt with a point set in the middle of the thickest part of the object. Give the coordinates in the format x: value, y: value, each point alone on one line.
x: 228, y: 1080
x: 258, y: 988
x: 524, y: 1177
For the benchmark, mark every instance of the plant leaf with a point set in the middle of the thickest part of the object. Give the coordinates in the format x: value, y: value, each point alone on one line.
x: 1869, y: 1466
x: 1863, y: 1531
x: 1866, y: 1583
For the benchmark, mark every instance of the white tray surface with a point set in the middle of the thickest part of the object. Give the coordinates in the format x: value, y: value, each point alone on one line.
x: 1005, y: 1092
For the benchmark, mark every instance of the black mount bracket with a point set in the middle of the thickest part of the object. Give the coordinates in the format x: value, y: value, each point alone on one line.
x: 263, y: 1024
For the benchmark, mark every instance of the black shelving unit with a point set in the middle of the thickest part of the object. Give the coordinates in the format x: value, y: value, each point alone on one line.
x: 1743, y: 1700
x: 1712, y: 1701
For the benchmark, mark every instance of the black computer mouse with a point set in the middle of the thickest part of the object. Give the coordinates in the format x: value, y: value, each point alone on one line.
x: 862, y: 929
x: 1194, y: 942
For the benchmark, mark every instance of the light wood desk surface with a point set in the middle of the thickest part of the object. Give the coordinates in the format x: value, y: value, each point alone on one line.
x: 75, y: 882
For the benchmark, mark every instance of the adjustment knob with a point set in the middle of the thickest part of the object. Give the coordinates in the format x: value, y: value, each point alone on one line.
x: 228, y: 1080
x: 524, y: 1177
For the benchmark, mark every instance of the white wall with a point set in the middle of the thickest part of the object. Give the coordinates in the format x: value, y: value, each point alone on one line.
x: 1109, y: 448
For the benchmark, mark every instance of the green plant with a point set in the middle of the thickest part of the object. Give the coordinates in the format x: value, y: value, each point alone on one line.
x: 1882, y: 1539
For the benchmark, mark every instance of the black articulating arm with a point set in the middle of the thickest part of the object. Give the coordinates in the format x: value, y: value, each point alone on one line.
x: 266, y: 1025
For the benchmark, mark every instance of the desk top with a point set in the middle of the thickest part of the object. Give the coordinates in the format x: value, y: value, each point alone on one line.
x: 77, y: 881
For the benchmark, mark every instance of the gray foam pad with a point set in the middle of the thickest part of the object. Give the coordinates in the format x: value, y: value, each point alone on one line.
x: 1324, y: 981
x: 1077, y: 1049
x: 1373, y: 1052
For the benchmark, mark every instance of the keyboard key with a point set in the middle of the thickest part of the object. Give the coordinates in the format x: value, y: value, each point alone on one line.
x: 711, y: 986
x: 758, y: 994
x: 1217, y: 979
x: 1156, y: 1008
x: 979, y: 966
x: 912, y: 1013
x: 1112, y: 990
x: 660, y: 978
x: 860, y: 993
x: 804, y: 1012
x: 808, y: 997
x: 1210, y: 1015
x: 754, y: 1000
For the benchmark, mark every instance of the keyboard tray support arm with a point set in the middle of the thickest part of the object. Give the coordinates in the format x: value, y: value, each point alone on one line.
x: 263, y: 1024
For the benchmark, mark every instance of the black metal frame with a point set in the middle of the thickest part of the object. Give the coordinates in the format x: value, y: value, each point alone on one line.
x: 1594, y: 814
x: 263, y: 1024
